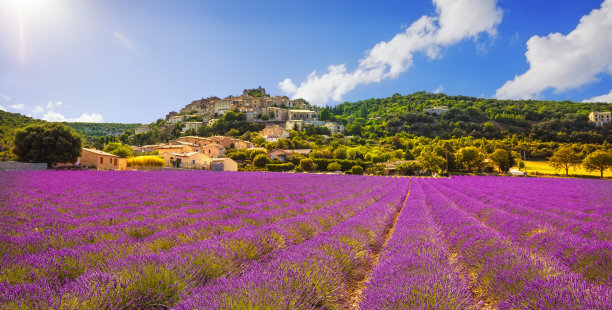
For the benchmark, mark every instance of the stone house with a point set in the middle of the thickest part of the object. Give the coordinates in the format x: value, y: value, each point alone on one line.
x: 175, y: 148
x: 600, y: 118
x: 193, y: 126
x: 303, y: 115
x: 213, y: 150
x: 101, y: 160
x: 223, y: 164
x: 274, y: 132
x: 191, y: 160
x: 285, y: 155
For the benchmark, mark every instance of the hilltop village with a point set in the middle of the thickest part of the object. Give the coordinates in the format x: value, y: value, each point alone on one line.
x: 273, y: 117
x: 257, y: 105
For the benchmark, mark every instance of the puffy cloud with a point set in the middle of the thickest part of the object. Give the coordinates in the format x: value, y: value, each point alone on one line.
x: 439, y: 89
x: 2, y: 108
x: 456, y: 20
x: 603, y: 98
x: 17, y: 107
x: 38, y: 109
x: 52, y: 104
x: 53, y: 116
x: 564, y: 62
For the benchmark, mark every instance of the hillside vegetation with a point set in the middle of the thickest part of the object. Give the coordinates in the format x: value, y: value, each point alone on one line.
x: 9, y: 122
x: 90, y: 132
x: 558, y: 121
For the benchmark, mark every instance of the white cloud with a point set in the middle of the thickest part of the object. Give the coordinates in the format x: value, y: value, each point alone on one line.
x: 53, y: 116
x: 5, y: 97
x: 456, y: 20
x: 17, y: 107
x: 564, y: 62
x: 38, y: 109
x: 439, y: 89
x: 603, y: 98
x: 2, y: 108
x: 51, y: 104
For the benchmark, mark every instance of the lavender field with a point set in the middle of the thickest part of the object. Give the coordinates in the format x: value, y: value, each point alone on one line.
x: 213, y: 240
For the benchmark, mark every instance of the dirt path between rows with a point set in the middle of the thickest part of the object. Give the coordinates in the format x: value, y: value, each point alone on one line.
x: 354, y: 289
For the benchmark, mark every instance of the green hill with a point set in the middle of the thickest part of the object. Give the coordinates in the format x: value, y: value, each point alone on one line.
x: 560, y: 121
x: 9, y: 122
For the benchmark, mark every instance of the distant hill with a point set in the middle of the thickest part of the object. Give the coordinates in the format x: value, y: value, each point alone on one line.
x: 561, y: 121
x: 9, y: 122
x: 93, y: 131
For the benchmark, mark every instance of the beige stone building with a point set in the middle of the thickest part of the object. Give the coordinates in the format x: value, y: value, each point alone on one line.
x: 196, y: 140
x: 600, y: 118
x: 303, y: 115
x: 223, y: 164
x: 193, y: 125
x: 101, y: 160
x: 274, y: 132
x: 174, y: 148
x: 213, y: 150
x: 191, y: 160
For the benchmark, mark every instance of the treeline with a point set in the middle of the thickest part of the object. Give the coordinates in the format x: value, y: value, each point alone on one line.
x: 91, y: 132
x: 558, y: 121
x: 9, y: 123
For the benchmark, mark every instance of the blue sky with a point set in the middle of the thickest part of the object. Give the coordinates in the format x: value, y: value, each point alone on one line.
x: 134, y: 61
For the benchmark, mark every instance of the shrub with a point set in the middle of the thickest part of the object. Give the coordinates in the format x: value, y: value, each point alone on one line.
x: 145, y: 161
x: 358, y: 170
x: 307, y: 164
x: 334, y: 167
x: 409, y: 168
x: 280, y: 167
x: 261, y: 160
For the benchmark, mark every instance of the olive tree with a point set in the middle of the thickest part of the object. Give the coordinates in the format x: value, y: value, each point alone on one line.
x: 598, y: 161
x: 564, y: 158
x: 50, y: 143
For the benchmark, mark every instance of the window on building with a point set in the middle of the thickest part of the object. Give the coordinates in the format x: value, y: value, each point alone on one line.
x: 101, y: 160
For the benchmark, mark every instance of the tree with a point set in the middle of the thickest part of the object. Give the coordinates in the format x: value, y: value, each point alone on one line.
x: 409, y: 168
x: 261, y: 160
x: 121, y: 150
x: 233, y: 132
x: 99, y: 144
x: 469, y: 157
x: 564, y: 158
x: 503, y: 159
x: 357, y: 170
x: 334, y: 167
x: 432, y: 162
x: 598, y: 160
x: 307, y: 164
x: 47, y: 143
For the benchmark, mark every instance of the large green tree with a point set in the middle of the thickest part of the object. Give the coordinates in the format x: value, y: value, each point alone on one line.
x: 469, y: 157
x: 503, y: 159
x: 598, y: 161
x: 121, y: 150
x: 564, y: 158
x: 47, y: 143
x: 431, y: 161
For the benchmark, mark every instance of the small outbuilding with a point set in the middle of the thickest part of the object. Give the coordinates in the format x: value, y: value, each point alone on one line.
x: 101, y: 160
x: 223, y: 164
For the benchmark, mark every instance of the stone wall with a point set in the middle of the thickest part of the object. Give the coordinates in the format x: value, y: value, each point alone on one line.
x: 13, y: 165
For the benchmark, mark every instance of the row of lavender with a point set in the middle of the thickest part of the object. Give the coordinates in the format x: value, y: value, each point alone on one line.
x: 205, y: 240
x: 116, y: 240
x: 473, y: 242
